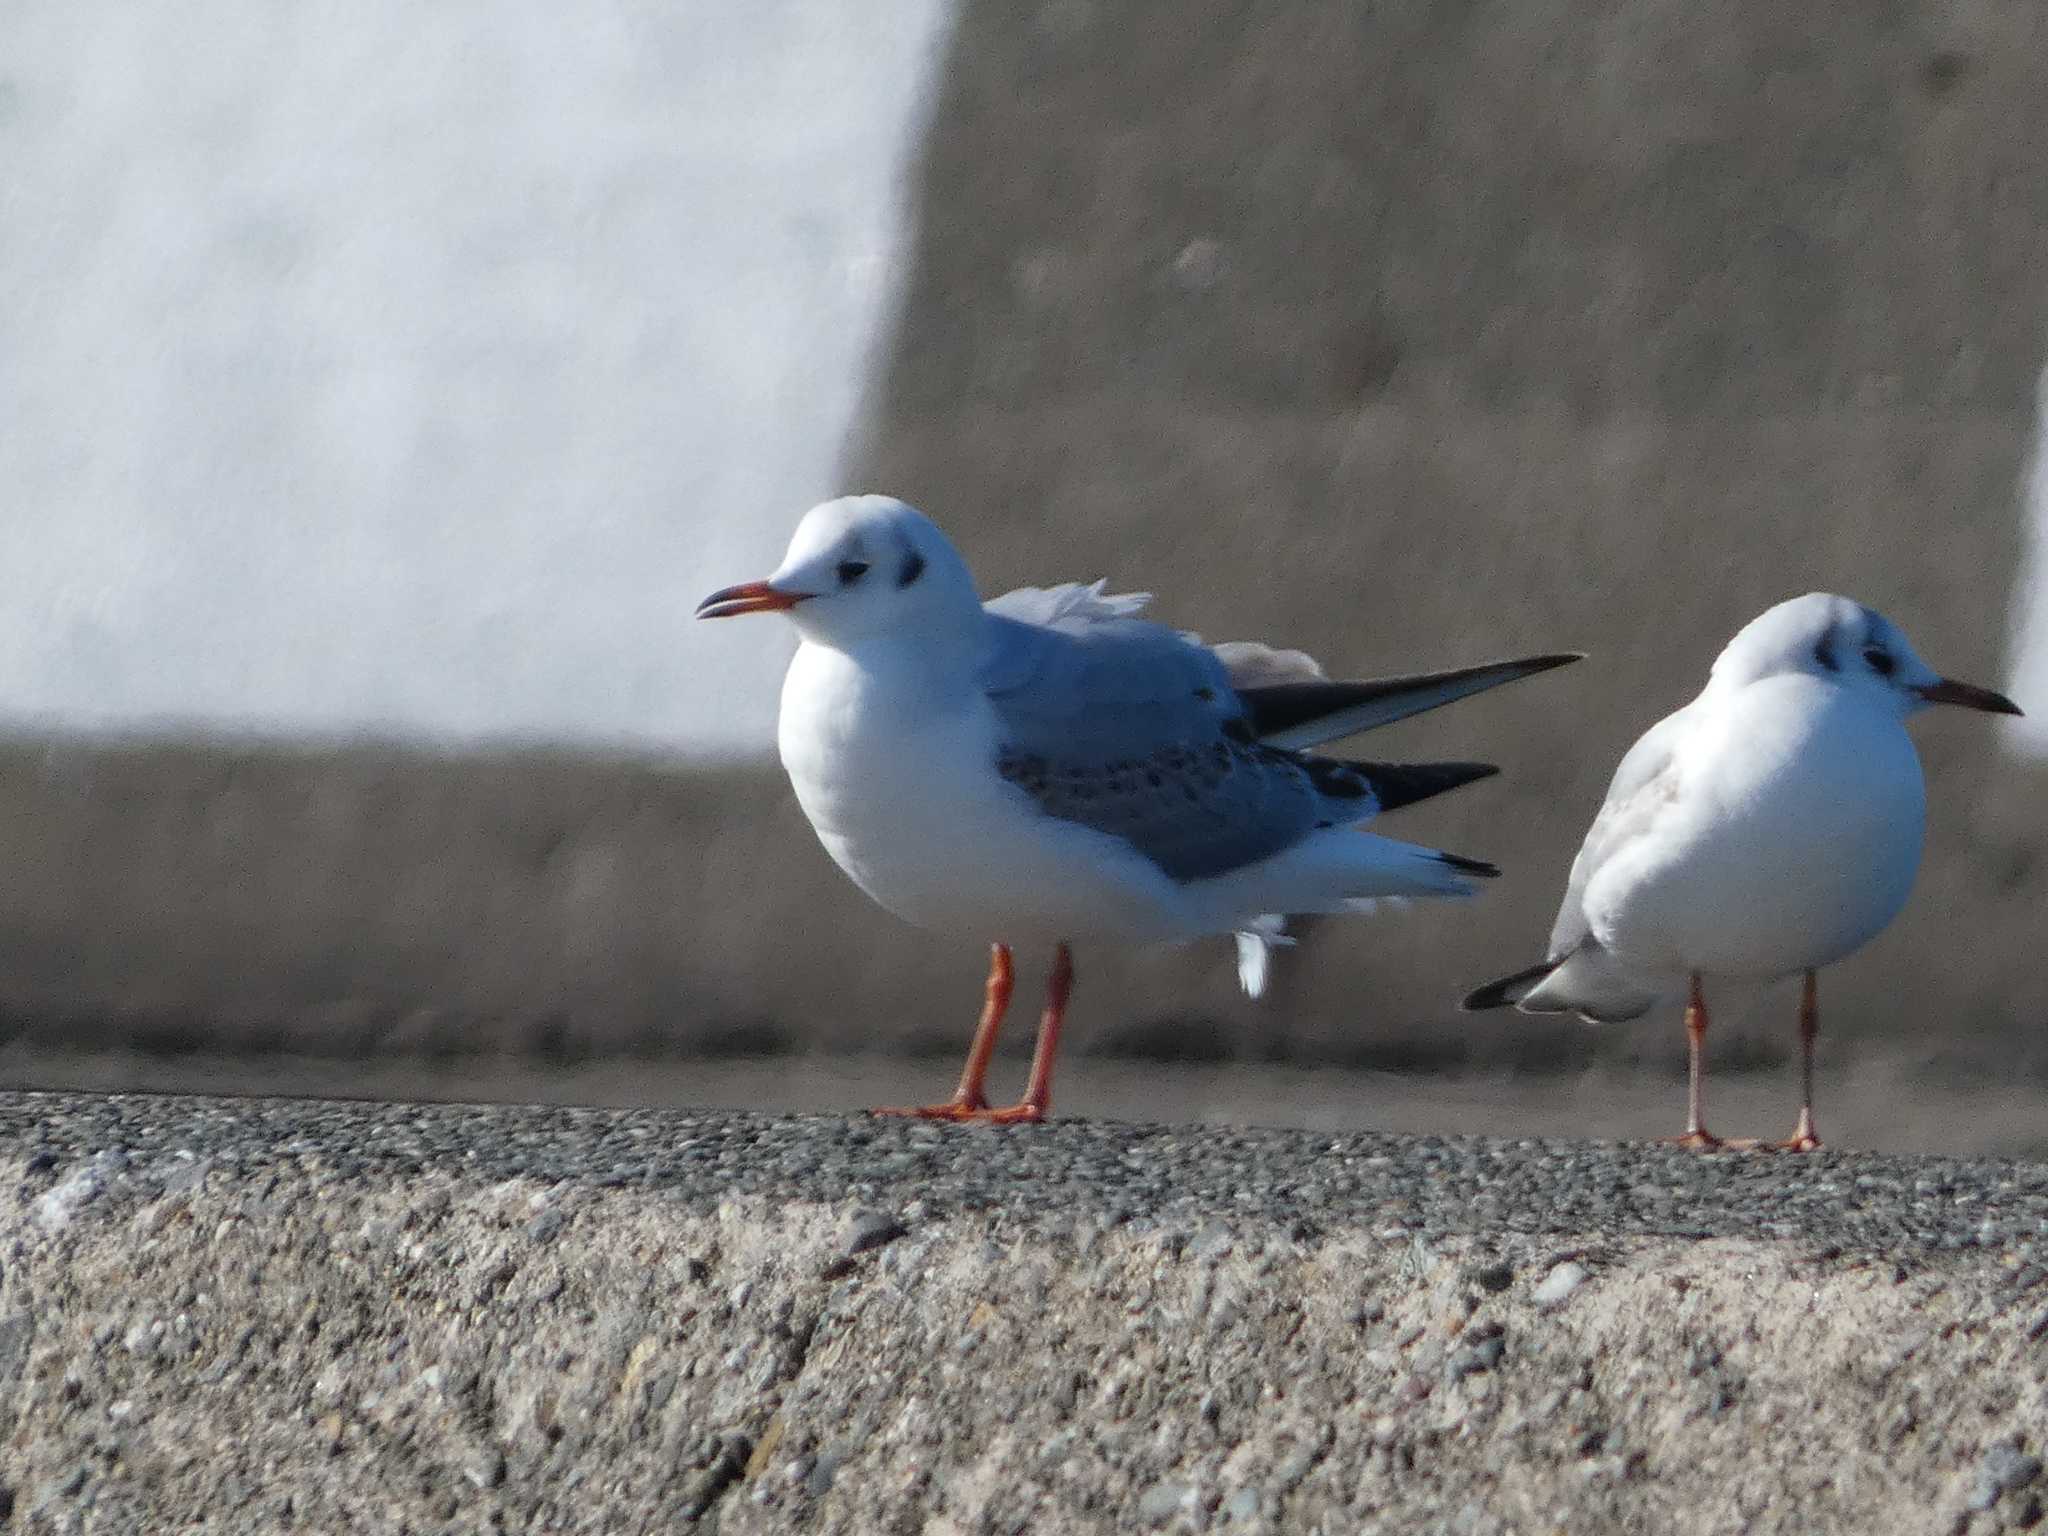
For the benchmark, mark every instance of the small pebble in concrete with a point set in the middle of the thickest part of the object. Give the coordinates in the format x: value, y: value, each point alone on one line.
x: 819, y: 1480
x: 1242, y: 1505
x: 63, y: 1200
x: 1491, y: 1278
x: 1162, y: 1501
x: 545, y: 1227
x: 1482, y: 1356
x: 1557, y: 1286
x: 871, y: 1229
x: 2005, y: 1469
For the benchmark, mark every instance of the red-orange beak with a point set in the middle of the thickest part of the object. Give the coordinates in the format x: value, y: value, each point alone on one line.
x: 748, y: 597
x: 1969, y: 696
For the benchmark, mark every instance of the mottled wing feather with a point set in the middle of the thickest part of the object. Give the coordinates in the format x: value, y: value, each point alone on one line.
x: 1124, y: 726
x: 1145, y: 734
x: 1194, y: 810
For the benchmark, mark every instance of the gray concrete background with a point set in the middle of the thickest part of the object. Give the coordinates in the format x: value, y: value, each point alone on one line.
x: 265, y: 1315
x: 1412, y: 335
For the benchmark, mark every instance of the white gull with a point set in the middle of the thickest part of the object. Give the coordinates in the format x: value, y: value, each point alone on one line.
x: 1770, y: 827
x: 1048, y: 767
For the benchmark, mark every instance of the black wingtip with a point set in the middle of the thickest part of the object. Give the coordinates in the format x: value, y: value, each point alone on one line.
x: 1508, y: 991
x: 1550, y: 661
x: 1397, y: 784
x: 1465, y: 866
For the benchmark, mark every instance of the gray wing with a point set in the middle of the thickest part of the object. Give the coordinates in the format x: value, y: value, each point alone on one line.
x: 1642, y: 786
x: 1126, y: 727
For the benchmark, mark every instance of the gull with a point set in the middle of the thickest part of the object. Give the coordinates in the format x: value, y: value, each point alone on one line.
x: 1048, y: 766
x: 1770, y: 827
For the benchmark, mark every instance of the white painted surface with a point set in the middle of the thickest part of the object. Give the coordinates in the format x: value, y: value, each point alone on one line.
x: 2030, y: 602
x: 417, y: 368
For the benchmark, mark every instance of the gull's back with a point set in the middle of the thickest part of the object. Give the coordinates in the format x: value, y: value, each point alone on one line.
x: 1115, y: 723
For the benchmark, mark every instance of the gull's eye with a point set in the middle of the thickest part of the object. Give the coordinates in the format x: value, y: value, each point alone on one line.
x: 1880, y: 660
x: 851, y: 571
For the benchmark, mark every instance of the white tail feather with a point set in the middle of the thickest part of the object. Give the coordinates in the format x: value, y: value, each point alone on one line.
x: 1256, y: 941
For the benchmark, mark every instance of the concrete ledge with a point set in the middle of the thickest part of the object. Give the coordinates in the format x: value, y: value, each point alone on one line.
x: 261, y: 1315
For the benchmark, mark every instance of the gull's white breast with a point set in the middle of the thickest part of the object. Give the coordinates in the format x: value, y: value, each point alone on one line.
x: 896, y: 772
x: 1790, y: 836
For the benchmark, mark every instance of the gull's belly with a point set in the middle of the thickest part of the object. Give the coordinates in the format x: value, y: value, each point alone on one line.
x: 1785, y: 857
x: 906, y: 800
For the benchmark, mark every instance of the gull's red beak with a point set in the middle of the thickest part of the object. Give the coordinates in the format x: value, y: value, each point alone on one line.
x: 1969, y: 696
x: 748, y: 597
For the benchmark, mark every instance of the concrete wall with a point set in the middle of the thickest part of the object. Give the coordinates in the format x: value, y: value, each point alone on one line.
x: 261, y: 1316
x: 1409, y: 334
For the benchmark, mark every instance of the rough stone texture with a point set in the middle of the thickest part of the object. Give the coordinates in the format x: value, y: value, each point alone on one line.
x: 261, y: 1315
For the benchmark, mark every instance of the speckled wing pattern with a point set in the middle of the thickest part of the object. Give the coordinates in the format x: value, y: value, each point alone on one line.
x: 1126, y: 727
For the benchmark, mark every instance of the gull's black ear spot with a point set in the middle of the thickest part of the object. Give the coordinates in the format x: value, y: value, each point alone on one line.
x: 1824, y: 652
x: 912, y: 568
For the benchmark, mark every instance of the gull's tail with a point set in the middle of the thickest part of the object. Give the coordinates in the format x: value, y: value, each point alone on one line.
x: 1339, y: 871
x: 1336, y: 869
x: 1509, y: 990
x: 1584, y: 981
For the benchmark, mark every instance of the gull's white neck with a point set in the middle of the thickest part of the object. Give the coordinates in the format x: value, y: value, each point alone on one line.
x: 854, y: 712
x: 893, y: 665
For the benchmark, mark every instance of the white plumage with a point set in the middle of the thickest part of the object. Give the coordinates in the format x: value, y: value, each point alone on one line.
x: 1049, y: 766
x: 1771, y: 826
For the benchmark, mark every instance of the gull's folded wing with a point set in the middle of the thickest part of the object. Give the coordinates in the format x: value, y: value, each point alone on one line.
x: 1301, y: 715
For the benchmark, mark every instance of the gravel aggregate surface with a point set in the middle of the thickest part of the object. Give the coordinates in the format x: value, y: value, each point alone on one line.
x: 1069, y: 1168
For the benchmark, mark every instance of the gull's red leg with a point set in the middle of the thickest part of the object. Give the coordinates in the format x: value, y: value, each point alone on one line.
x: 970, y: 1099
x: 1803, y: 1139
x: 1696, y: 1136
x: 1037, y: 1101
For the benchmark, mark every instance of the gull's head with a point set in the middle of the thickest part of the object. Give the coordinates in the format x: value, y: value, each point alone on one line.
x: 857, y: 567
x: 1844, y: 643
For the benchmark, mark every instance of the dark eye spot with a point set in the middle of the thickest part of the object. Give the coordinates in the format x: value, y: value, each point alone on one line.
x: 1824, y: 652
x: 851, y: 571
x: 913, y: 567
x: 1880, y: 660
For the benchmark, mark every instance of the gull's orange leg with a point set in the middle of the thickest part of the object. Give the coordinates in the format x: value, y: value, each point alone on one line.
x: 1696, y: 1136
x: 970, y: 1099
x: 1803, y: 1139
x: 1037, y: 1101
